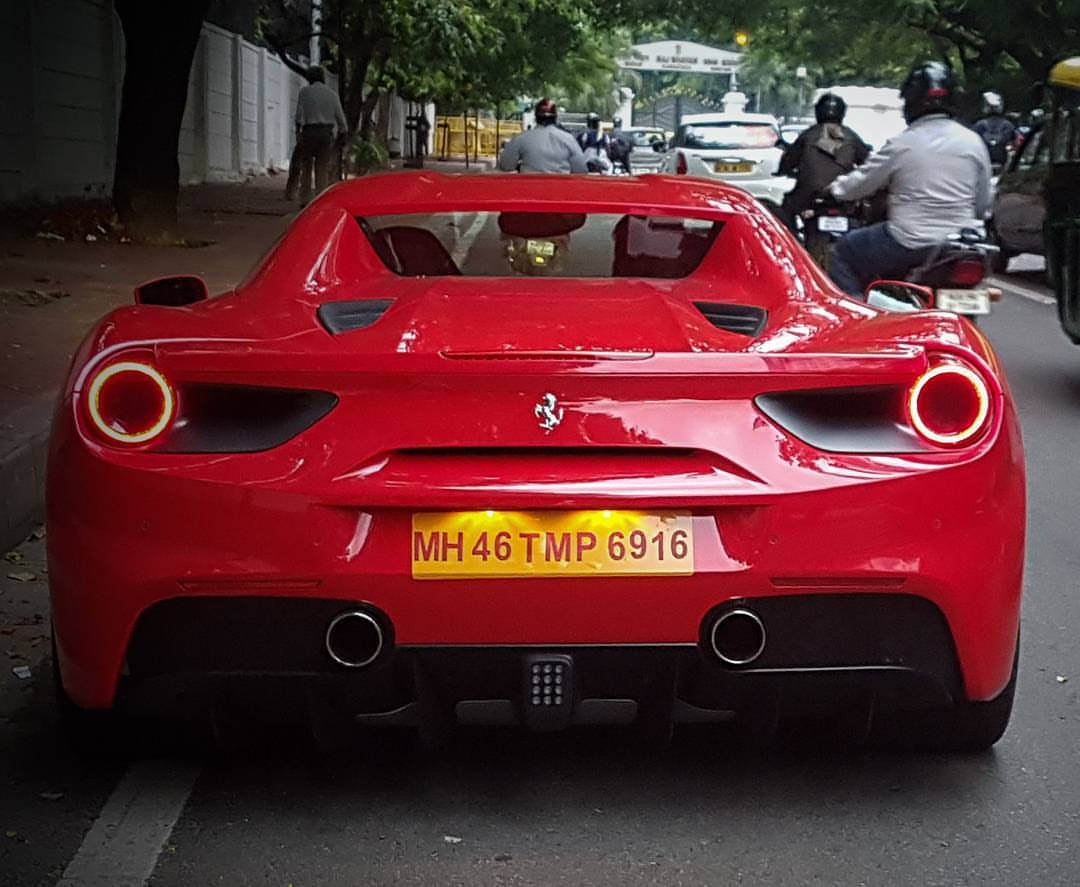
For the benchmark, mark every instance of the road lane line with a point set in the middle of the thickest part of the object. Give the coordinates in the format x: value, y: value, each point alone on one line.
x: 122, y: 847
x: 466, y: 242
x: 1025, y: 292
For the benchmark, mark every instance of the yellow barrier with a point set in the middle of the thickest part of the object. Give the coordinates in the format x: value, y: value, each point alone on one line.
x: 484, y: 141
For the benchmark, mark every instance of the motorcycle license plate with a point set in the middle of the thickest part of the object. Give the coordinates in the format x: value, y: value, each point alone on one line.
x: 963, y: 301
x: 833, y: 224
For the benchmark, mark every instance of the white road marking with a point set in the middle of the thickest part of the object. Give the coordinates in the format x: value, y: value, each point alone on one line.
x: 1024, y: 291
x: 122, y: 847
x: 466, y: 242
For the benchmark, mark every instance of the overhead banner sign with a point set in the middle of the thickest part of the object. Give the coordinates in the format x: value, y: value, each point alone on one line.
x: 680, y: 55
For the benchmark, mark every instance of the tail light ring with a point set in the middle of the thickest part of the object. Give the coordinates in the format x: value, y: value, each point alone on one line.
x: 103, y: 427
x: 977, y: 424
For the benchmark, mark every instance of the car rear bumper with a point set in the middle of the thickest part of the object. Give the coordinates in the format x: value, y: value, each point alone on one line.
x: 823, y: 654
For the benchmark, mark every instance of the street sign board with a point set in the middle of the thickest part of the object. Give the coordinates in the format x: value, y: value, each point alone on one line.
x: 680, y: 55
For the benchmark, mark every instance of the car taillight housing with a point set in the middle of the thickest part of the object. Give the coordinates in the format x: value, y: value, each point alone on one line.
x: 130, y: 403
x: 966, y: 272
x: 949, y: 405
x: 681, y: 166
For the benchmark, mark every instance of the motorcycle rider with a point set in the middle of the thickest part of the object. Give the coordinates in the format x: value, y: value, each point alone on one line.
x: 818, y: 156
x: 937, y: 172
x: 594, y: 144
x: 995, y: 129
x: 620, y: 146
x: 544, y: 148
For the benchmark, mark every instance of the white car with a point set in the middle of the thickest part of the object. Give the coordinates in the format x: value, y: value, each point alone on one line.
x: 743, y: 149
x: 643, y: 157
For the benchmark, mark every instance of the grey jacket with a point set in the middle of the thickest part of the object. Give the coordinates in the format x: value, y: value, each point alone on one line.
x: 543, y: 149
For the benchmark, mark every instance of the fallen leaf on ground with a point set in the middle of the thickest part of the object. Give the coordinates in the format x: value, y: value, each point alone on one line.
x: 22, y: 576
x: 39, y: 533
x: 13, y: 557
x: 48, y: 235
x: 452, y: 839
x: 11, y: 834
x: 1061, y: 679
x: 51, y: 796
x: 22, y: 672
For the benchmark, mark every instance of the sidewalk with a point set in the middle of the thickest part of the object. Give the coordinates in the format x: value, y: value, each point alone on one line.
x: 52, y: 292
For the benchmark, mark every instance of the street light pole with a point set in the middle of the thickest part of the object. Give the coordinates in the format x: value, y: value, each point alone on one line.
x: 800, y: 75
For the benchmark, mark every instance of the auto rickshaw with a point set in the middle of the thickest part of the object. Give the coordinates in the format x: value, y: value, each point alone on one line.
x: 1062, y: 225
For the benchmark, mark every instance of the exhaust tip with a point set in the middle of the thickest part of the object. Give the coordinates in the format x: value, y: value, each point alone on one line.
x: 738, y: 636
x: 354, y: 639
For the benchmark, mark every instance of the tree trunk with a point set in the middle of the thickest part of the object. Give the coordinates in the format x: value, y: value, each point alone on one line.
x: 159, y: 44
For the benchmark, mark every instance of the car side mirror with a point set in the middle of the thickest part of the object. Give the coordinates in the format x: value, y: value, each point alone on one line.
x: 899, y: 295
x: 172, y: 292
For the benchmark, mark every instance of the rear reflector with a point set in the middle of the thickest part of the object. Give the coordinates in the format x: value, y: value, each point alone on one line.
x: 966, y: 272
x: 681, y: 166
x: 949, y: 404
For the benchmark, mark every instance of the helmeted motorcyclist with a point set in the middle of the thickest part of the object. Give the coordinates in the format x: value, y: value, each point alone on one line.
x: 594, y: 144
x: 819, y: 155
x: 544, y: 148
x: 994, y: 128
x: 937, y: 173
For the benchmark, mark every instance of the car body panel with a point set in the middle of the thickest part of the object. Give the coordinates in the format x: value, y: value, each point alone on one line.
x: 437, y: 405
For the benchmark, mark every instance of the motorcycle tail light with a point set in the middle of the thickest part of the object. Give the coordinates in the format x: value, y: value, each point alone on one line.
x: 966, y: 272
x: 949, y: 404
x: 681, y: 166
x: 130, y: 402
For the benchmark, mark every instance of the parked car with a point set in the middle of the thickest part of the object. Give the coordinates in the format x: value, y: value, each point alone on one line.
x: 554, y: 451
x: 1020, y: 201
x: 744, y: 149
x: 643, y: 155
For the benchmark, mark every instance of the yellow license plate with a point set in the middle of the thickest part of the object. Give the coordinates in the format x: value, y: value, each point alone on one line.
x: 734, y: 167
x: 502, y: 544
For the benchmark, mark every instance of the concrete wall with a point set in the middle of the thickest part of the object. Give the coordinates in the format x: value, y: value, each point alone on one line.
x: 61, y: 68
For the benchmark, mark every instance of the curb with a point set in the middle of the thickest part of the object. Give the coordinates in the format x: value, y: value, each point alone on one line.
x: 24, y: 444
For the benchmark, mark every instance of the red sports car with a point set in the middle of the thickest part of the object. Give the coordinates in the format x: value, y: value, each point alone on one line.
x: 544, y: 451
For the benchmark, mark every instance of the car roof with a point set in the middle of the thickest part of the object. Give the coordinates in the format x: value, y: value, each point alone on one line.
x: 428, y: 192
x: 729, y: 118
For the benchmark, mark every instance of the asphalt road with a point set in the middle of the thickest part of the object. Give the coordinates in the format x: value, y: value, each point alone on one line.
x: 591, y: 808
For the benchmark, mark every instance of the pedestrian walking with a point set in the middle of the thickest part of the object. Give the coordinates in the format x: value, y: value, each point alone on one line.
x: 320, y: 124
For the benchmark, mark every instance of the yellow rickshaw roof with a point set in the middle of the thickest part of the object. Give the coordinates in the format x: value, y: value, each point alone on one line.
x: 1066, y: 73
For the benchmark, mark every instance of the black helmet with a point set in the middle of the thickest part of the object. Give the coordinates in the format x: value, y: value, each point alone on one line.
x: 830, y: 108
x: 928, y: 90
x: 546, y: 111
x: 592, y: 120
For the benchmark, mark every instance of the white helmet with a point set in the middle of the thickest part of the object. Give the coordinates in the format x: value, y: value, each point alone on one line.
x: 992, y: 103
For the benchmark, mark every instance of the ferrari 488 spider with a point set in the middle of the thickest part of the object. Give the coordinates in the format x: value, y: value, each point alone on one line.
x: 544, y: 451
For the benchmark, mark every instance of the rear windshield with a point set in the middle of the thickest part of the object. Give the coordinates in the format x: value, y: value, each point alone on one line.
x: 728, y: 135
x: 537, y: 244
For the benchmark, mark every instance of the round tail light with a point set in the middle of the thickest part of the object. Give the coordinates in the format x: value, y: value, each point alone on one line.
x: 681, y: 166
x: 949, y: 404
x: 130, y: 402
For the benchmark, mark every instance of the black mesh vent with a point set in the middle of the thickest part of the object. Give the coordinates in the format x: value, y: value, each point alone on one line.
x: 745, y: 319
x: 343, y: 317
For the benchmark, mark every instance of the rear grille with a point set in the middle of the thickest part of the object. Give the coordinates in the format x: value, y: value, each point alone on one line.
x: 343, y: 317
x: 744, y: 319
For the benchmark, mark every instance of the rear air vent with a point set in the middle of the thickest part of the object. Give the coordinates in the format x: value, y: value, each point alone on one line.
x: 343, y: 317
x: 744, y: 319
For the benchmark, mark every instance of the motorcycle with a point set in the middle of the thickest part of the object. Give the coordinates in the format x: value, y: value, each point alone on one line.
x: 955, y: 270
x: 826, y: 222
x: 949, y: 279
